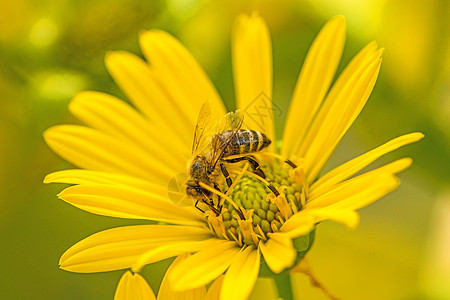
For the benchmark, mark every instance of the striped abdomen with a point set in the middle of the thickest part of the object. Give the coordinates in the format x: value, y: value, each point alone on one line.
x: 245, y: 141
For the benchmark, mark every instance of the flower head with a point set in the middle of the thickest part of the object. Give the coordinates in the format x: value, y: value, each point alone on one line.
x: 127, y: 156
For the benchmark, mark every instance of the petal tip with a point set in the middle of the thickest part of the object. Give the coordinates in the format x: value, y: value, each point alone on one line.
x: 47, y: 179
x: 254, y: 14
x: 50, y: 133
x: 418, y: 135
x: 372, y: 45
x: 338, y: 18
x: 109, y: 55
x: 145, y: 35
x: 76, y: 102
x: 338, y: 21
x: 113, y: 57
x: 353, y: 222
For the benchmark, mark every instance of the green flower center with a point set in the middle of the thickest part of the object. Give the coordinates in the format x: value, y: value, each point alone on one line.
x: 250, y: 193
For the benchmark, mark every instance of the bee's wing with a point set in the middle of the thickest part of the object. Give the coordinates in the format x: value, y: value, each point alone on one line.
x: 203, y: 128
x: 176, y: 190
x: 232, y: 121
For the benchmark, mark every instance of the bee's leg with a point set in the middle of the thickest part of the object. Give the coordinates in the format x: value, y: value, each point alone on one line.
x: 253, y: 164
x: 226, y: 175
x: 215, y: 210
x: 219, y: 206
x: 290, y: 163
x: 256, y: 169
x: 211, y: 207
x: 196, y: 202
x: 240, y: 213
x: 273, y: 189
x: 210, y: 204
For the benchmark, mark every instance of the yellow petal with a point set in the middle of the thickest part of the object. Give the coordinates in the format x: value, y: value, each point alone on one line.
x: 394, y: 167
x: 121, y: 247
x: 203, y: 267
x: 313, y: 83
x: 214, y: 289
x: 172, y: 249
x: 116, y: 118
x: 355, y: 165
x: 166, y: 292
x: 335, y: 120
x: 141, y: 86
x: 300, y: 145
x: 298, y: 225
x: 341, y: 107
x: 356, y: 192
x: 78, y: 176
x: 91, y: 149
x: 126, y: 202
x: 348, y: 217
x: 278, y: 252
x: 388, y: 169
x: 133, y: 286
x: 179, y: 74
x: 252, y: 70
x: 241, y: 275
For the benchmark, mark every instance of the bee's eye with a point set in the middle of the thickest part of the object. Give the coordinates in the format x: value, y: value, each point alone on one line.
x: 196, y: 165
x: 190, y: 190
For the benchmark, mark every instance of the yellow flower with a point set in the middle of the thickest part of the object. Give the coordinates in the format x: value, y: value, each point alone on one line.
x: 127, y: 157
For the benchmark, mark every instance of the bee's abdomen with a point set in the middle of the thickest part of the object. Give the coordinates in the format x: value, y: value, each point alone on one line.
x: 245, y: 141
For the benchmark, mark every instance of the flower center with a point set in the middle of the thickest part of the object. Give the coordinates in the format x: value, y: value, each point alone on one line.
x: 260, y: 211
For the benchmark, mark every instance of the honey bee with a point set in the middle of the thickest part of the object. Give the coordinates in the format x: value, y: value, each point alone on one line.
x: 213, y: 147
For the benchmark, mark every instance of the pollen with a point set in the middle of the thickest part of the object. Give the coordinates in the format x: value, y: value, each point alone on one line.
x: 261, y: 211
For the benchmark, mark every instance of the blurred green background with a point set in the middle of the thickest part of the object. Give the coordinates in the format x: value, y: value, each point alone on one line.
x: 51, y: 50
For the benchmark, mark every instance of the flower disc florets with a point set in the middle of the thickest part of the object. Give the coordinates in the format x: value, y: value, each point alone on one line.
x: 263, y: 211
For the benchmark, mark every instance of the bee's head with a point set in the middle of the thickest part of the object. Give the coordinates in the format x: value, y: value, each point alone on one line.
x: 198, y: 166
x: 194, y: 190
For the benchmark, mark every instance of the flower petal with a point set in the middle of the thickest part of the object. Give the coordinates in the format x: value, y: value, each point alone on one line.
x: 389, y: 169
x: 252, y: 70
x: 360, y: 191
x: 118, y: 119
x: 341, y: 107
x: 127, y: 202
x: 348, y: 217
x: 91, y: 149
x: 278, y: 252
x: 313, y: 83
x: 178, y: 73
x: 355, y: 165
x: 215, y: 288
x: 298, y: 225
x: 203, y: 267
x: 120, y: 248
x: 78, y: 176
x: 339, y: 118
x: 133, y: 286
x: 166, y: 292
x: 141, y: 86
x: 300, y: 145
x: 241, y: 275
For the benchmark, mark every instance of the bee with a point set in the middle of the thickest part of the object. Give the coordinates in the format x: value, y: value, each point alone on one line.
x: 213, y: 147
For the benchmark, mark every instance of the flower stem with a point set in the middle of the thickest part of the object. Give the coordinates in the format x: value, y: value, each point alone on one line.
x: 283, y: 282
